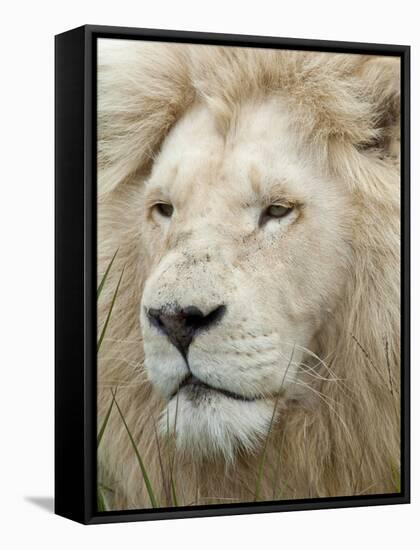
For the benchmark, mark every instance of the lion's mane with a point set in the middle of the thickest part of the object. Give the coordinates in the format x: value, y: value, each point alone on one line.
x: 346, y: 441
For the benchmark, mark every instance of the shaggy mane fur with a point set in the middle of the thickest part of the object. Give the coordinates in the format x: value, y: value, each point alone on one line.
x: 344, y: 442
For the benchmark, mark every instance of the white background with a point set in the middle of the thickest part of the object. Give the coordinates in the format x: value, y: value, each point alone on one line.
x: 26, y: 273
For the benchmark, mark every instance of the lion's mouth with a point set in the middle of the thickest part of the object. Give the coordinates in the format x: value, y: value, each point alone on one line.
x: 192, y: 381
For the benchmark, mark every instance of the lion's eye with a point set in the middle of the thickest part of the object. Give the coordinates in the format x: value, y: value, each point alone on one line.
x: 275, y: 211
x: 164, y: 209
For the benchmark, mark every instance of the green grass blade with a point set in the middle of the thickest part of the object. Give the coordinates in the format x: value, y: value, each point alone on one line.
x: 105, y: 326
x: 105, y: 422
x: 162, y: 469
x: 277, y: 470
x: 396, y: 477
x: 173, y: 492
x: 173, y: 488
x: 100, y: 500
x: 139, y: 460
x: 264, y: 452
x: 106, y: 488
x: 104, y: 278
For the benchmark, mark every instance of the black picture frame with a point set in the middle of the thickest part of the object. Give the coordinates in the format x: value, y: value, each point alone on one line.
x: 75, y: 273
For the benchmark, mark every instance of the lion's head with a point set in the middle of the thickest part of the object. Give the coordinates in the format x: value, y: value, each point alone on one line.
x: 247, y: 193
x: 247, y: 244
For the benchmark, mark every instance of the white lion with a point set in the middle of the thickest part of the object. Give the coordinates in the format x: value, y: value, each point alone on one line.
x: 253, y: 197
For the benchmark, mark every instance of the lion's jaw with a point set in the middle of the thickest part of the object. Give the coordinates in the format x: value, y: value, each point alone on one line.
x: 277, y: 281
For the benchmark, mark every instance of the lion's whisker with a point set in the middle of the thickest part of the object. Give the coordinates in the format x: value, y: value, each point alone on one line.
x: 326, y: 400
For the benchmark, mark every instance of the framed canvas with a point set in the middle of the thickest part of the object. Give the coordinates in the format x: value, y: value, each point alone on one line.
x: 232, y: 274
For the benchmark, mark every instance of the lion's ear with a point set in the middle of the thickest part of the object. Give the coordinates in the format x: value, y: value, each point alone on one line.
x: 380, y: 85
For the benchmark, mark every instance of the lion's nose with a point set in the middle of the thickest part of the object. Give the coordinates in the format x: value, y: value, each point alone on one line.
x: 181, y: 324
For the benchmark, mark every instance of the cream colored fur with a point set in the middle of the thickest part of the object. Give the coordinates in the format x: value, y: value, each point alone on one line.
x: 312, y: 299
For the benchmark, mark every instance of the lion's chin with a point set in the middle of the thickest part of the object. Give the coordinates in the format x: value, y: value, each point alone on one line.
x: 212, y: 425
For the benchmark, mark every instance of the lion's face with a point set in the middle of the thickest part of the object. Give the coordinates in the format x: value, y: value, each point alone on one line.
x: 247, y: 241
